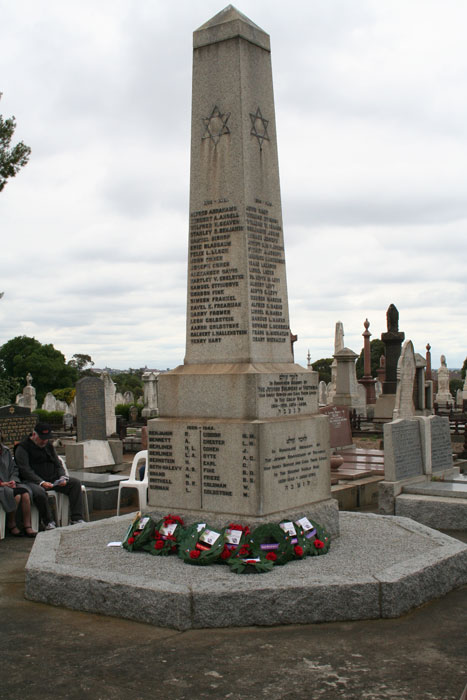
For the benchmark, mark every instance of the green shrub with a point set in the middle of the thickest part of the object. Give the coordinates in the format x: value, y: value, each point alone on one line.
x: 123, y: 409
x: 53, y: 417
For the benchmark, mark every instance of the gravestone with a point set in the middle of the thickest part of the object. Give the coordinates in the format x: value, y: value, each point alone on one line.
x: 50, y: 402
x: 128, y: 397
x: 29, y: 394
x: 16, y: 422
x: 322, y: 393
x: 150, y: 394
x: 348, y: 391
x: 444, y: 397
x: 109, y: 400
x: 338, y: 346
x: 440, y: 443
x: 340, y: 431
x: 406, y: 368
x: 392, y: 339
x: 239, y: 431
x: 402, y: 450
x: 90, y: 409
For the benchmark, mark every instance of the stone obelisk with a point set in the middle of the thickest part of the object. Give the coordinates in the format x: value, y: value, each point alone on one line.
x: 238, y: 431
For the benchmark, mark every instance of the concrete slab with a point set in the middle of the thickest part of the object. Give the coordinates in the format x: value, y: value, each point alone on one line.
x: 450, y: 489
x: 446, y: 513
x: 379, y: 567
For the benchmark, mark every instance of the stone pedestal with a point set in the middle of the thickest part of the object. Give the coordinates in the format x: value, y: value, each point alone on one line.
x: 238, y: 432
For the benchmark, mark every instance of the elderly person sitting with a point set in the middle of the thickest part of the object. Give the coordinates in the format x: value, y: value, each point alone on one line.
x: 41, y: 470
x: 12, y: 493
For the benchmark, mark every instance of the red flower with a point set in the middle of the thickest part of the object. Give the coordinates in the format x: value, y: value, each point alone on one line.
x: 173, y: 549
x: 244, y: 549
x: 226, y: 553
x: 194, y: 554
x: 138, y: 532
x: 271, y: 556
x: 318, y: 544
x: 159, y: 544
x: 298, y: 550
x: 157, y: 535
x: 171, y: 519
x: 131, y: 540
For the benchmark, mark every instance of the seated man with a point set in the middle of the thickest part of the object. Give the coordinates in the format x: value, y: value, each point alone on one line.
x: 41, y: 470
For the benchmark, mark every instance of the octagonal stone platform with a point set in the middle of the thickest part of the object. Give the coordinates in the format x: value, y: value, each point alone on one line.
x: 380, y: 566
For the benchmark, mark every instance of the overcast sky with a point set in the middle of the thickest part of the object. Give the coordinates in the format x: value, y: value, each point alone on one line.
x: 371, y: 110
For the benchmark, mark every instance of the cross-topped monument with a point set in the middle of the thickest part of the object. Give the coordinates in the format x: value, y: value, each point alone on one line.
x: 238, y: 431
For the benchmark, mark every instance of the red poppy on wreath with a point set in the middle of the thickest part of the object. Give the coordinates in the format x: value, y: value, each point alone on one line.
x: 157, y: 535
x: 194, y: 554
x: 271, y: 556
x: 225, y: 553
x: 244, y: 549
x: 172, y: 519
x: 137, y: 533
x: 298, y: 550
x: 131, y: 540
x: 159, y: 544
x: 318, y: 544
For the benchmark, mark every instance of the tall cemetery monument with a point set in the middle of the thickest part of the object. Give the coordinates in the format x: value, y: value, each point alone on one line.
x: 239, y: 430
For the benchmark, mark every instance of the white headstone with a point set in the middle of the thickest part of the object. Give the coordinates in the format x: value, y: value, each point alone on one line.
x: 404, y: 406
x: 109, y: 397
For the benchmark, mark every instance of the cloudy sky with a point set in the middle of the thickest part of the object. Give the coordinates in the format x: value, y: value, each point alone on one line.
x: 371, y: 110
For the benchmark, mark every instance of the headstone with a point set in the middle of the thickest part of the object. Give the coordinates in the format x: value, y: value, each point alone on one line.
x: 109, y: 398
x: 68, y: 422
x: 239, y: 432
x: 128, y: 397
x: 16, y: 422
x: 367, y: 380
x: 444, y: 397
x: 338, y: 346
x: 322, y: 394
x: 404, y: 405
x: 90, y: 409
x: 119, y: 398
x: 392, y: 342
x: 29, y: 394
x: 50, y: 402
x: 348, y: 391
x: 150, y: 394
x: 402, y: 450
x: 464, y: 390
x: 459, y: 398
x: 133, y: 414
x: 441, y: 447
x: 340, y: 430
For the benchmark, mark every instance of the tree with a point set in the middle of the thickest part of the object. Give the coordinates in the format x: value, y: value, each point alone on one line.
x: 80, y: 362
x: 46, y: 364
x: 11, y: 159
x: 464, y: 369
x: 323, y: 367
x: 129, y: 381
x: 9, y: 387
x: 376, y: 350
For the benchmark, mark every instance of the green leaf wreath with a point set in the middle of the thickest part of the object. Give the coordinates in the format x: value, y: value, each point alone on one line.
x: 166, y: 536
x: 317, y: 538
x: 201, y: 545
x: 139, y: 532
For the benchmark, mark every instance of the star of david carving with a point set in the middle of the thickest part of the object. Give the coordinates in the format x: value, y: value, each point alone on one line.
x: 216, y: 125
x: 259, y: 127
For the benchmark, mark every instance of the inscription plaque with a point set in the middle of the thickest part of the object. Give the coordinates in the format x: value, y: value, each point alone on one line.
x: 340, y: 431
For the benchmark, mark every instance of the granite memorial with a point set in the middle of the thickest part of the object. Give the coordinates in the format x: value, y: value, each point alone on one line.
x: 238, y: 429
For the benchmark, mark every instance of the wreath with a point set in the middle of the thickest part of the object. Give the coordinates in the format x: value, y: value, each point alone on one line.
x: 298, y: 540
x: 201, y: 545
x: 166, y: 536
x: 235, y: 536
x: 317, y: 538
x: 139, y: 533
x: 271, y: 540
x: 244, y: 561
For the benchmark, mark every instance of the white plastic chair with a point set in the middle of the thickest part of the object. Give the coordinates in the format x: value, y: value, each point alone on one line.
x: 133, y: 483
x: 64, y: 501
x: 2, y: 523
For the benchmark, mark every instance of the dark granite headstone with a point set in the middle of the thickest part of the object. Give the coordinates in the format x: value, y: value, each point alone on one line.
x: 90, y: 409
x: 340, y: 431
x: 441, y: 448
x: 392, y: 343
x: 15, y: 423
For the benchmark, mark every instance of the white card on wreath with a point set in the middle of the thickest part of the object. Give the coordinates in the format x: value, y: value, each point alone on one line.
x: 168, y: 529
x: 210, y: 537
x: 305, y: 524
x: 233, y: 536
x: 288, y: 528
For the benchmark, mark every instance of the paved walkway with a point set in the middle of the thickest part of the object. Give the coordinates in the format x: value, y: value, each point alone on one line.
x: 55, y: 653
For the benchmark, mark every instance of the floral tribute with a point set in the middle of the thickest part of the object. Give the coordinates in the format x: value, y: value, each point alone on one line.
x: 201, y: 545
x: 166, y: 536
x: 139, y: 532
x: 269, y: 545
x: 235, y: 536
x: 318, y: 541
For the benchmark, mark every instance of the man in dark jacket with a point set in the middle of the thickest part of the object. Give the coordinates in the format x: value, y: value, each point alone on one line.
x: 41, y: 469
